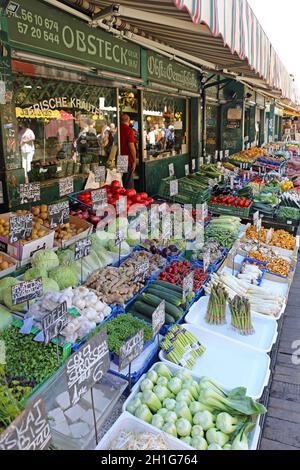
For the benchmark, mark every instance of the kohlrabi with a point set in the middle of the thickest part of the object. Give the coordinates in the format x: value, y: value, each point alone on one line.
x: 170, y: 404
x: 197, y: 431
x: 226, y: 423
x: 158, y: 421
x: 199, y: 443
x: 143, y: 413
x: 183, y: 427
x: 205, y: 419
x: 151, y: 400
x: 175, y: 385
x: 213, y: 436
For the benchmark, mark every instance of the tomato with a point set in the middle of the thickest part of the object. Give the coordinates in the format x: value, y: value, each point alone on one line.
x: 112, y: 201
x: 109, y: 194
x: 149, y: 200
x: 144, y: 195
x: 137, y: 199
x: 115, y: 184
x: 130, y: 192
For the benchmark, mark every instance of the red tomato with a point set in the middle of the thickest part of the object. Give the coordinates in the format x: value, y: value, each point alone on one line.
x: 130, y: 192
x: 109, y: 194
x: 144, y: 195
x: 115, y: 184
x: 137, y: 199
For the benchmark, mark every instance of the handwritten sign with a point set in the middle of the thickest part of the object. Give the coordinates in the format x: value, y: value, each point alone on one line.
x: 255, y: 217
x: 87, y: 366
x: 59, y: 214
x: 188, y: 285
x: 174, y: 188
x: 20, y: 227
x: 122, y: 164
x: 216, y: 155
x: 208, y: 159
x: 159, y: 318
x: 206, y: 260
x: 30, y: 193
x: 99, y: 199
x: 83, y: 248
x: 29, y: 431
x: 269, y: 235
x: 131, y: 349
x: 232, y: 179
x: 120, y: 236
x: 259, y: 225
x: 55, y: 322
x: 121, y: 206
x: 141, y: 271
x: 100, y: 174
x: 171, y: 170
x: 203, y: 211
x: 66, y: 186
x: 26, y: 291
x: 221, y: 155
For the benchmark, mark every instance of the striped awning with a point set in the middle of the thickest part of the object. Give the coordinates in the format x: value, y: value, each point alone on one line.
x: 221, y: 35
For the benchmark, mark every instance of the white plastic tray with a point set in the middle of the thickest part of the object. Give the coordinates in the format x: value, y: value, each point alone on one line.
x: 129, y: 423
x: 265, y: 327
x: 230, y: 363
x: 254, y: 436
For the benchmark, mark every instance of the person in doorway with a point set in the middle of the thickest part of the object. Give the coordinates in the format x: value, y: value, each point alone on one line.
x: 128, y: 148
x: 26, y: 140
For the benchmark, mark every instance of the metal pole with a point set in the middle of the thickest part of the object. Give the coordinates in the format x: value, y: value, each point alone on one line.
x: 203, y: 138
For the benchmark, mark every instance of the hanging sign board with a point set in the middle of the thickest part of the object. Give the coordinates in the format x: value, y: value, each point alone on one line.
x: 20, y: 227
x: 66, y: 186
x: 55, y: 322
x: 83, y: 248
x: 131, y: 349
x: 87, y: 366
x: 100, y: 174
x: 26, y: 291
x: 29, y: 431
x: 59, y: 214
x: 30, y: 193
x: 159, y: 318
x: 122, y: 164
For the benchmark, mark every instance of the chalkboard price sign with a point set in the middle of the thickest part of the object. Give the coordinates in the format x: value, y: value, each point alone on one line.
x: 26, y: 291
x: 120, y: 236
x: 55, y: 322
x: 141, y: 271
x: 66, y: 186
x: 122, y: 164
x: 29, y: 431
x: 131, y: 349
x: 100, y: 174
x: 30, y: 193
x: 87, y: 366
x: 159, y: 318
x: 59, y: 214
x: 121, y: 206
x: 20, y: 227
x: 99, y: 199
x: 188, y: 285
x: 82, y: 248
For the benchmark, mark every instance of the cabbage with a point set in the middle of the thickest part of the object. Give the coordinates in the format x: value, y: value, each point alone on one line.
x: 182, y: 411
x: 151, y: 400
x: 49, y: 285
x: 133, y: 405
x: 213, y: 436
x: 163, y: 412
x: 170, y: 417
x: 196, y: 406
x: 4, y: 284
x: 143, y: 413
x: 146, y: 384
x: 120, y: 223
x: 197, y: 431
x: 184, y: 395
x: 204, y: 419
x: 162, y: 392
x: 200, y: 443
x: 7, y: 297
x: 5, y: 318
x: 183, y: 427
x: 45, y: 259
x: 35, y: 273
x: 187, y: 440
x: 65, y: 276
x: 152, y: 375
x: 101, y: 238
x: 170, y: 404
x: 163, y: 371
x: 66, y: 257
x: 162, y: 381
x: 157, y: 421
x: 170, y: 428
x: 175, y: 385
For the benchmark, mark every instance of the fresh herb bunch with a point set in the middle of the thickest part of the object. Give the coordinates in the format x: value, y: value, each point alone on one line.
x: 27, y: 361
x: 9, y: 408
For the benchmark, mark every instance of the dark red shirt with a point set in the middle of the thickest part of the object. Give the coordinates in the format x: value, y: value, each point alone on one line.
x: 127, y: 137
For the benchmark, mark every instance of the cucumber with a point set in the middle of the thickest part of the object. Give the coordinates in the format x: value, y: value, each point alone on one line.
x: 168, y: 285
x: 151, y: 299
x: 165, y: 295
x: 169, y: 320
x: 170, y: 308
x: 144, y: 309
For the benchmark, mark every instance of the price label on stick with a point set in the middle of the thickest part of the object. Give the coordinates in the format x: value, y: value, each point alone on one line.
x: 26, y: 291
x: 259, y: 225
x: 173, y: 188
x: 30, y: 193
x: 232, y: 179
x: 100, y: 174
x: 193, y: 164
x: 216, y: 155
x: 221, y: 155
x: 188, y: 285
x: 59, y: 214
x: 141, y: 271
x: 227, y: 153
x: 131, y: 349
x: 20, y: 227
x: 87, y: 366
x: 206, y: 261
x: 255, y: 218
x: 55, y: 322
x: 208, y: 159
x: 187, y: 170
x: 83, y: 248
x: 66, y: 186
x: 122, y: 164
x: 204, y: 211
x: 171, y: 170
x: 120, y: 236
x: 99, y: 199
x: 159, y: 318
x: 201, y: 161
x: 29, y: 431
x: 269, y: 235
x: 121, y: 206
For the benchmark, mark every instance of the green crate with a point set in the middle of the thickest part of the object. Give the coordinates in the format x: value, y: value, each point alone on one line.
x: 227, y: 210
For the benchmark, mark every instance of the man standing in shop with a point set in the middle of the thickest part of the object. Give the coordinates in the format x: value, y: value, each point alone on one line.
x: 26, y: 138
x: 128, y: 148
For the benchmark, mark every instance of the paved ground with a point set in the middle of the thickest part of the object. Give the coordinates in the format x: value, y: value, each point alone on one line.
x: 281, y: 429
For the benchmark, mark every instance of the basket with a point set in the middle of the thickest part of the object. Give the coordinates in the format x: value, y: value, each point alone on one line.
x: 229, y: 210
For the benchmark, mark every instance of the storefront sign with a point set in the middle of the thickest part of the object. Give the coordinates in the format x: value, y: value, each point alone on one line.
x: 131, y: 350
x: 30, y: 193
x: 26, y: 291
x: 55, y: 322
x: 20, y: 227
x: 29, y: 431
x: 172, y: 73
x: 50, y: 32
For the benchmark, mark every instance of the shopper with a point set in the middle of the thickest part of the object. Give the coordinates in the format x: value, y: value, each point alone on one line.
x: 26, y: 139
x: 128, y: 148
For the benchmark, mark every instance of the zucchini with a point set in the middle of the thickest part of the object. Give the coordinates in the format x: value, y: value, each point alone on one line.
x: 169, y: 320
x: 168, y: 285
x: 144, y: 309
x: 170, y: 308
x: 165, y: 295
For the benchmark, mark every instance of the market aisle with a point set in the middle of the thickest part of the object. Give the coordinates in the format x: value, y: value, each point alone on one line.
x: 281, y: 430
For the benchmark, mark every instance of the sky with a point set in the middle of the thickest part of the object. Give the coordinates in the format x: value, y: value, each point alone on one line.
x: 281, y: 21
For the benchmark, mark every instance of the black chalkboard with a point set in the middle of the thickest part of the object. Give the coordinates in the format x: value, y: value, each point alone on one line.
x: 131, y: 349
x: 26, y: 291
x: 30, y: 193
x: 59, y: 214
x: 55, y: 322
x: 20, y: 227
x: 83, y: 248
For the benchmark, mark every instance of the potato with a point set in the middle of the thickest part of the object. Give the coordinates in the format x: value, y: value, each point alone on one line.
x: 35, y: 211
x: 4, y: 265
x: 44, y: 216
x: 44, y: 208
x: 41, y: 233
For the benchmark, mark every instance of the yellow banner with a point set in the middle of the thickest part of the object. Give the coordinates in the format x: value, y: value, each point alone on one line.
x: 37, y: 114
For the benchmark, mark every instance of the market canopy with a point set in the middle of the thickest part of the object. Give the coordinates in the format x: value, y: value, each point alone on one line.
x: 220, y: 35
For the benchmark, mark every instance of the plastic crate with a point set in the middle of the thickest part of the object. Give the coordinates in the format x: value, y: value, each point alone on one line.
x: 258, y: 264
x: 229, y: 210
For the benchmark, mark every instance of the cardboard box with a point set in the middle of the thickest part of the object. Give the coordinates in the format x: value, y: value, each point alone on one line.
x: 88, y: 230
x: 24, y: 252
x: 10, y: 270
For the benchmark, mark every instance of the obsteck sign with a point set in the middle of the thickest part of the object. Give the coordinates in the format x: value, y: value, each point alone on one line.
x: 55, y: 322
x: 20, y: 227
x: 131, y: 350
x: 87, y: 366
x: 29, y: 431
x: 26, y: 291
x: 59, y: 214
x: 30, y: 192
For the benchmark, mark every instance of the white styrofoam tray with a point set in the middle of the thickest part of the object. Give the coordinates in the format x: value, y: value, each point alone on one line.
x: 265, y: 327
x: 129, y: 423
x: 229, y: 363
x: 254, y: 436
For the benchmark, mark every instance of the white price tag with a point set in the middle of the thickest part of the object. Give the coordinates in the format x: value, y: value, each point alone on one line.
x: 171, y: 170
x: 227, y: 153
x: 187, y: 170
x: 221, y: 155
x: 216, y: 155
x: 173, y: 188
x: 193, y: 164
x: 255, y: 218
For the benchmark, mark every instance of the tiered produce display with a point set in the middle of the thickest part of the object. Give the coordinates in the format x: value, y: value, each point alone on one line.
x: 168, y: 309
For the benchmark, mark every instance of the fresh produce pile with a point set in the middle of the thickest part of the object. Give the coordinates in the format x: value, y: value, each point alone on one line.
x: 290, y: 199
x: 166, y: 250
x: 195, y: 251
x: 181, y: 347
x: 175, y: 304
x: 231, y: 201
x: 201, y: 414
x: 247, y: 156
x: 178, y: 270
x: 139, y: 441
x: 278, y: 265
x: 251, y: 272
x: 216, y: 310
x: 9, y: 401
x: 5, y: 263
x: 241, y: 315
x: 288, y: 213
x: 280, y: 238
x: 191, y: 190
x: 224, y: 230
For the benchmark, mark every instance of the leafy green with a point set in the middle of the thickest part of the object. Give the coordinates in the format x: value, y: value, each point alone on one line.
x: 45, y: 259
x: 65, y: 276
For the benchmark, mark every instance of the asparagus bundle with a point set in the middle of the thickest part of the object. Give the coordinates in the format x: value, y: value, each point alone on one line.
x: 241, y: 315
x: 182, y: 347
x: 216, y: 310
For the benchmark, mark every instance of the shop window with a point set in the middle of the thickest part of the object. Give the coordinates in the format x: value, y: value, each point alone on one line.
x: 64, y: 128
x: 165, y: 126
x: 211, y: 129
